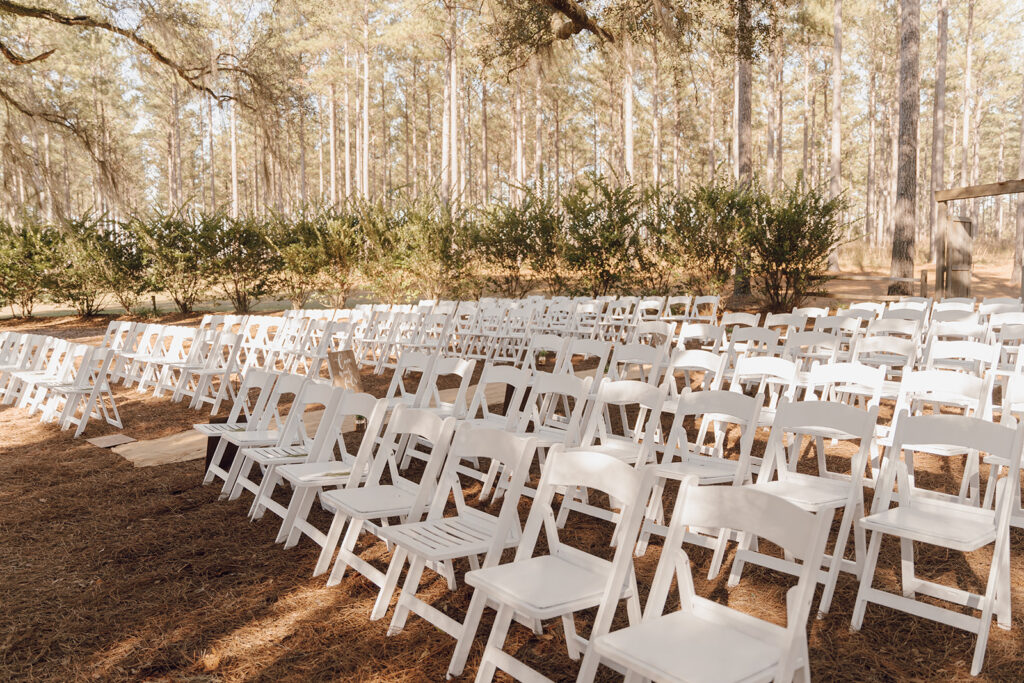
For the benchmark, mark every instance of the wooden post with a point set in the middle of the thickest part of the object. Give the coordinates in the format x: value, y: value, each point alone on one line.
x: 924, y: 284
x: 940, y: 251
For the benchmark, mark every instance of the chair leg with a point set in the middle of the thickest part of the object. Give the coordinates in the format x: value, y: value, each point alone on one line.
x: 323, y: 563
x: 495, y: 642
x: 571, y: 644
x: 298, y: 508
x: 907, y: 567
x: 383, y: 601
x: 837, y: 560
x: 866, y: 579
x: 348, y: 545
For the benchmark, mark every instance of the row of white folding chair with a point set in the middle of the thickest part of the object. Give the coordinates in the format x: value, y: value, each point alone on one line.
x: 84, y: 396
x: 28, y: 388
x: 23, y: 353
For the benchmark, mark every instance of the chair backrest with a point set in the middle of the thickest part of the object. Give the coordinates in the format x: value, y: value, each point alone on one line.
x: 838, y: 421
x: 656, y: 333
x: 677, y: 307
x: 638, y: 431
x: 583, y: 468
x: 705, y: 308
x: 546, y: 344
x: 738, y: 318
x: 954, y: 314
x: 350, y: 408
x: 556, y: 403
x: 790, y: 323
x: 516, y: 379
x: 807, y: 348
x: 898, y: 327
x: 892, y: 352
x: 705, y: 334
x: 448, y: 367
x: 408, y: 428
x: 967, y: 356
x: 969, y: 393
x: 947, y: 435
x: 845, y: 382
x: 710, y: 410
x: 753, y: 341
x: 585, y: 349
x: 694, y: 360
x: 799, y: 533
x: 773, y: 376
x: 411, y: 362
x: 644, y: 359
x: 513, y: 453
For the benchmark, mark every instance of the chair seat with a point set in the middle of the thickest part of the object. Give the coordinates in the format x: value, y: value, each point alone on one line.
x: 809, y: 492
x: 275, y: 454
x: 253, y: 439
x: 371, y: 502
x: 447, y: 538
x: 544, y: 587
x: 949, y: 525
x: 219, y: 428
x: 333, y: 473
x: 707, y: 469
x: 626, y: 451
x: 694, y: 646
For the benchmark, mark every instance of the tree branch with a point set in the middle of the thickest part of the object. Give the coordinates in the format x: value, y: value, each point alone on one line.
x: 193, y: 76
x: 16, y: 59
x: 578, y: 18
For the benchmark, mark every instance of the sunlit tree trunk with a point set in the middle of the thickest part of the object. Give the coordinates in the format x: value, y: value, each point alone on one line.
x: 906, y: 184
x: 870, y: 219
x: 365, y: 168
x: 332, y: 124
x: 656, y: 115
x: 1018, y: 240
x: 627, y: 108
x: 453, y: 103
x: 538, y: 130
x: 965, y: 134
x: 805, y: 175
x: 234, y: 162
x: 938, y: 126
x: 485, y: 161
x: 213, y: 156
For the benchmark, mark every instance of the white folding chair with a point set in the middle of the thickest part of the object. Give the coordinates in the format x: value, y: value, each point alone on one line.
x: 923, y: 515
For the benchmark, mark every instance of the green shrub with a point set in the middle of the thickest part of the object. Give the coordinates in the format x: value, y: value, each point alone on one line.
x: 244, y: 263
x: 180, y: 253
x: 513, y: 238
x: 387, y: 259
x: 26, y: 255
x: 442, y: 241
x: 602, y: 242
x: 790, y: 238
x: 708, y: 222
x: 659, y: 256
x: 77, y: 275
x: 125, y: 272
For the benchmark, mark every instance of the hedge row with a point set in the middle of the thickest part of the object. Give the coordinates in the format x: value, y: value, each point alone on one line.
x: 598, y: 238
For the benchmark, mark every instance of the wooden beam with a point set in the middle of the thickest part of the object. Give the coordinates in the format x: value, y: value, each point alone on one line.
x: 974, y: 191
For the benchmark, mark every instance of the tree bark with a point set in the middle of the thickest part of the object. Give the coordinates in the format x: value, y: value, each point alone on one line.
x: 234, y: 162
x: 968, y: 91
x: 807, y: 115
x: 484, y: 159
x: 627, y: 109
x: 869, y: 202
x: 538, y: 130
x: 656, y: 116
x: 332, y: 125
x: 1018, y: 242
x: 365, y: 169
x: 938, y: 127
x: 835, y: 160
x: 743, y: 118
x: 906, y: 183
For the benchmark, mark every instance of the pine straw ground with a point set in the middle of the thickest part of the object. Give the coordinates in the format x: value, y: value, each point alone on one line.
x: 113, y: 573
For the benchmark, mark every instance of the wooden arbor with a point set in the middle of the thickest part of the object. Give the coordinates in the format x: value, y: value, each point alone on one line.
x: 953, y: 258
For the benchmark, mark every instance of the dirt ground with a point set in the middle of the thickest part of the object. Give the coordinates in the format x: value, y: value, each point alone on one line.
x: 108, y: 572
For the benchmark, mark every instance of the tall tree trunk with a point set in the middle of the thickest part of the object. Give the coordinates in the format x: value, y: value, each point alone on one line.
x: 302, y: 157
x: 627, y: 108
x: 446, y: 127
x: 538, y: 130
x: 869, y: 203
x: 320, y: 148
x: 675, y: 129
x: 968, y: 91
x: 743, y: 118
x: 453, y: 102
x: 938, y: 126
x: 348, y: 133
x: 807, y: 112
x: 712, y: 135
x: 365, y: 169
x: 332, y: 125
x: 558, y: 151
x: 1018, y: 241
x: 234, y: 163
x: 906, y: 183
x: 484, y: 160
x: 213, y: 156
x: 1000, y: 170
x: 780, y: 85
x: 406, y: 155
x: 835, y: 157
x: 656, y: 116
x: 415, y: 147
